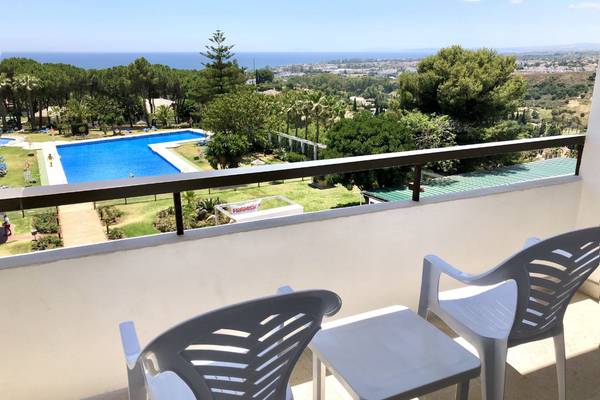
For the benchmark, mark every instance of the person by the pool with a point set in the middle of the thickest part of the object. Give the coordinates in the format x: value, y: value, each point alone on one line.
x: 6, y: 225
x: 50, y: 158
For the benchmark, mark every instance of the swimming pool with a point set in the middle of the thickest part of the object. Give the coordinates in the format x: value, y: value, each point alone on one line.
x: 4, y: 141
x: 118, y: 158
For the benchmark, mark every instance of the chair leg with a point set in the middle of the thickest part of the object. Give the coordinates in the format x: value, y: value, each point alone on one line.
x: 462, y: 391
x: 137, y: 383
x: 493, y: 369
x: 561, y: 365
x: 319, y: 372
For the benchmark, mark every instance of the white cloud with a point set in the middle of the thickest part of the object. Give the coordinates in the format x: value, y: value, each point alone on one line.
x: 586, y: 6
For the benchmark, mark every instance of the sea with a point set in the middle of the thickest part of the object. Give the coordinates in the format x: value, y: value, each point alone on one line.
x: 193, y: 60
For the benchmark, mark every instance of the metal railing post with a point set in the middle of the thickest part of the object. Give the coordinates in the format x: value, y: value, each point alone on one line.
x: 416, y: 186
x: 178, y: 213
x: 579, y: 157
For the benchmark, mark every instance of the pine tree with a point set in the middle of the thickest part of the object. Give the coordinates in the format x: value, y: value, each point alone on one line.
x: 222, y: 71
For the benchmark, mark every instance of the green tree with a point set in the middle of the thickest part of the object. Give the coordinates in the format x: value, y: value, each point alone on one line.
x: 472, y: 87
x: 78, y: 110
x: 28, y: 84
x: 429, y: 132
x: 5, y: 85
x: 244, y: 113
x: 165, y: 115
x: 264, y: 75
x: 366, y: 134
x: 104, y: 110
x: 226, y: 150
x: 143, y: 81
x: 222, y: 72
x: 320, y: 112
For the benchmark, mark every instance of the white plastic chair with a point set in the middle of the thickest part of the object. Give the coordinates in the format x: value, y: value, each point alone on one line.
x: 244, y: 352
x: 522, y: 300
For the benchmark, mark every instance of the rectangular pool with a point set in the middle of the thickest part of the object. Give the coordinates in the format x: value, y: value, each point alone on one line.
x: 119, y: 158
x: 4, y: 141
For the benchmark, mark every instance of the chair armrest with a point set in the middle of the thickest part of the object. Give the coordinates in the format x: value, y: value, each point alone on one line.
x: 285, y: 290
x: 433, y: 268
x: 131, y: 345
x: 439, y: 266
x: 530, y: 242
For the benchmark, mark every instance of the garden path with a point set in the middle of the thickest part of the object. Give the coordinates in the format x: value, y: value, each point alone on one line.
x: 80, y: 224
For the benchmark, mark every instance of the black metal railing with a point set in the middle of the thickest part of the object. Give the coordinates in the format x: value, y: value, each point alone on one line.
x: 55, y: 195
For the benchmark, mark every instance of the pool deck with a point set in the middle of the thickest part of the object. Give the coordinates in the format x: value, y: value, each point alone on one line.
x: 55, y: 174
x: 165, y: 151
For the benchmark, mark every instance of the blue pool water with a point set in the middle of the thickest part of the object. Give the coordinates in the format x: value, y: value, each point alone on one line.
x: 118, y: 158
x: 4, y: 141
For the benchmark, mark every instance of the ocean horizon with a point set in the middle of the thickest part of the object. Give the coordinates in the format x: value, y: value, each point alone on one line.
x: 191, y: 60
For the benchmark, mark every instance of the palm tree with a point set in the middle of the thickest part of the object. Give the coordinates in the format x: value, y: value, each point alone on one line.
x: 289, y: 110
x: 320, y: 111
x: 164, y: 115
x: 297, y: 111
x: 306, y: 108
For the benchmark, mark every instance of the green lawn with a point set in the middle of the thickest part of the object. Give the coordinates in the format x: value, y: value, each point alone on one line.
x: 14, y: 248
x: 21, y: 226
x: 15, y: 159
x: 194, y: 154
x: 141, y: 212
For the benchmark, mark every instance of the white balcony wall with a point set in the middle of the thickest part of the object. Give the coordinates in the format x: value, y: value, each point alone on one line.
x: 59, y: 337
x: 589, y: 213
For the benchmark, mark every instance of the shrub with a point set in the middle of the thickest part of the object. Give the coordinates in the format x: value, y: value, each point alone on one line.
x: 46, y: 222
x: 116, y: 233
x: 79, y: 129
x: 209, y: 204
x: 46, y: 243
x: 295, y: 157
x: 109, y: 215
x: 165, y: 220
x: 200, y: 216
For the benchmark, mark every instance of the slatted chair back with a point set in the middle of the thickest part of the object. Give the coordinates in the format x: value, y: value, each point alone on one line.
x: 242, y: 352
x: 548, y: 274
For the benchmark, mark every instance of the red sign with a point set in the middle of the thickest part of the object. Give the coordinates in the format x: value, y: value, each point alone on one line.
x: 246, y: 207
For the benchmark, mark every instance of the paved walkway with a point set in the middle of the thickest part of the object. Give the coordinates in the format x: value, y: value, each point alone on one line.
x: 80, y: 224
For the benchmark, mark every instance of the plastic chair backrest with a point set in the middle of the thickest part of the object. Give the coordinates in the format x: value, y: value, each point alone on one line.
x: 245, y: 351
x: 548, y: 274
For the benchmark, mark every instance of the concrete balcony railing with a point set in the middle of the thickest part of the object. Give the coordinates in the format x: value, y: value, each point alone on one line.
x: 61, y: 308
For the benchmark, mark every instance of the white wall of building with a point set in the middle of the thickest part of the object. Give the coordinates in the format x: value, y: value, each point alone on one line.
x: 59, y: 337
x: 590, y: 167
x: 589, y: 212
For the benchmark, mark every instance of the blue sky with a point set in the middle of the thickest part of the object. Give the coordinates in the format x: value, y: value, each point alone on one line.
x: 298, y: 25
